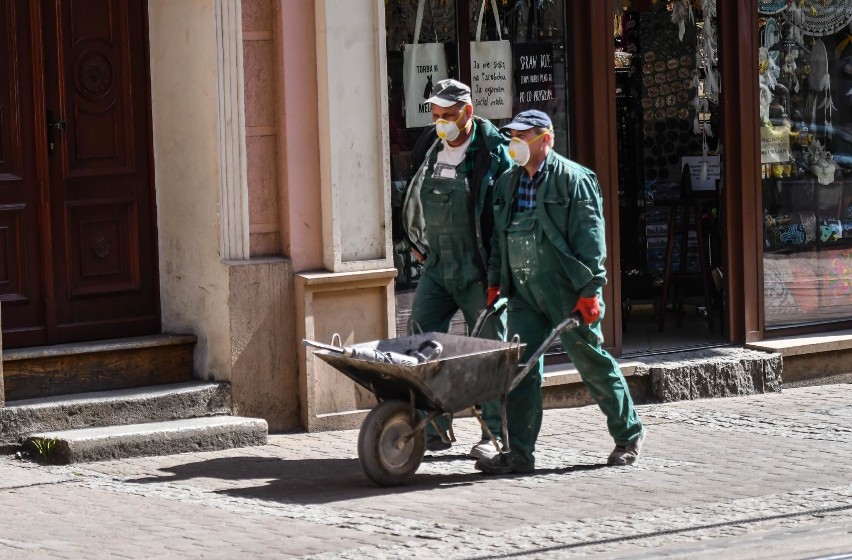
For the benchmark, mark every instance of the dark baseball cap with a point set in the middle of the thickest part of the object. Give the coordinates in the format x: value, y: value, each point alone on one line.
x: 449, y: 92
x: 526, y: 120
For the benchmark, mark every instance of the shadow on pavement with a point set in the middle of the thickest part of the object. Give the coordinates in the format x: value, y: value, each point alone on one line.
x: 321, y: 481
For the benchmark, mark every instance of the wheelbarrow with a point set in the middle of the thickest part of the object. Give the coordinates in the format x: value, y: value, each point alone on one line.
x: 434, y: 373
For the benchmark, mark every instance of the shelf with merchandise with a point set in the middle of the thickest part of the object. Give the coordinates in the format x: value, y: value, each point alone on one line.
x: 804, y: 215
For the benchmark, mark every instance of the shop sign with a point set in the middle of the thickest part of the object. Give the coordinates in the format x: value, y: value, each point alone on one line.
x: 424, y: 65
x: 775, y: 144
x: 703, y: 179
x: 534, y: 75
x: 491, y: 71
x: 491, y: 79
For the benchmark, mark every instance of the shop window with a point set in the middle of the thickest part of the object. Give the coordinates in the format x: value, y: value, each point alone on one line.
x: 526, y: 71
x: 805, y: 78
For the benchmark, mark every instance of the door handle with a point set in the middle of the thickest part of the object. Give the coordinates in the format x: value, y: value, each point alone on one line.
x: 53, y: 125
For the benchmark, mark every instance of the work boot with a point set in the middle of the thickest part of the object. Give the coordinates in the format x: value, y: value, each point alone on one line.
x: 624, y: 455
x: 435, y: 443
x: 483, y: 450
x: 503, y: 464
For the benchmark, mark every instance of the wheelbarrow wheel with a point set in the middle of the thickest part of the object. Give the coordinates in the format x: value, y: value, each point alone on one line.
x: 384, y: 458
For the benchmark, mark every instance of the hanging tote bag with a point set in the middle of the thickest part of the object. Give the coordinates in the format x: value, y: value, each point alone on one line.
x: 491, y: 71
x: 424, y: 65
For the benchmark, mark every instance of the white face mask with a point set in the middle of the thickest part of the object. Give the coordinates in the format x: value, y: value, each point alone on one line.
x: 447, y: 130
x: 519, y: 150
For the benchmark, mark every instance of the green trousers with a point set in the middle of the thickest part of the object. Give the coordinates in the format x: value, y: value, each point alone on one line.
x: 542, y: 297
x: 435, y: 303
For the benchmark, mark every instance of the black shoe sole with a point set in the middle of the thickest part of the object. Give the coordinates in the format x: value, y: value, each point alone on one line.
x: 438, y: 446
x: 505, y: 469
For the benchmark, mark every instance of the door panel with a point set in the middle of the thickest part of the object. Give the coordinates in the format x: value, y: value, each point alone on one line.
x: 21, y: 247
x: 97, y: 91
x: 91, y: 223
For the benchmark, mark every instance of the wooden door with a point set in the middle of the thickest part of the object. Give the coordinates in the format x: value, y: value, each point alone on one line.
x: 79, y: 251
x: 22, y: 290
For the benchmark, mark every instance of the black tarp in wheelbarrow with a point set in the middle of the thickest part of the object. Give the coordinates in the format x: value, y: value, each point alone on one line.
x: 468, y: 372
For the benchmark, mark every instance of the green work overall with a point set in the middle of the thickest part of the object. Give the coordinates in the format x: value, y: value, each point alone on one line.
x: 453, y: 278
x: 542, y: 297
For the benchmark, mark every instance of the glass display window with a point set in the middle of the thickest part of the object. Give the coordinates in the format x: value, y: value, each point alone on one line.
x: 805, y: 81
x: 512, y: 53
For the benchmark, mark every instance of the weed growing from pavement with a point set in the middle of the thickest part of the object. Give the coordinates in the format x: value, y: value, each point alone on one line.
x: 45, y: 447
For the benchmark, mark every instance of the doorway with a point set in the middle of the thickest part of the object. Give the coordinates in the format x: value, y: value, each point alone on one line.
x: 670, y: 170
x: 77, y: 218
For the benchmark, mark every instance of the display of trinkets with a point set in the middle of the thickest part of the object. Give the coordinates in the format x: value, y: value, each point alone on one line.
x: 667, y: 86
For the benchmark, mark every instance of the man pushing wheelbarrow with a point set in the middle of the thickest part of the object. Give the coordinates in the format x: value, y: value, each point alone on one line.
x: 547, y: 257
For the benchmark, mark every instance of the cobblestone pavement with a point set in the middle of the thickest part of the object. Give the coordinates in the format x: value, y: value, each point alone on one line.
x: 757, y: 477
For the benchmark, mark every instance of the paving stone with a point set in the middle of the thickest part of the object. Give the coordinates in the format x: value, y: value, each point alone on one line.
x: 743, y: 477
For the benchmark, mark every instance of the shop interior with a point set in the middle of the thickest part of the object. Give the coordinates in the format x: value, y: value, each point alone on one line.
x: 669, y: 176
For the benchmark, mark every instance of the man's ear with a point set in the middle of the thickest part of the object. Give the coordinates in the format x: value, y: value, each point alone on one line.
x: 468, y: 111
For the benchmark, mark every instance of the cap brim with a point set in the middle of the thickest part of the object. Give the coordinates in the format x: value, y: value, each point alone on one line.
x: 440, y: 102
x: 516, y: 126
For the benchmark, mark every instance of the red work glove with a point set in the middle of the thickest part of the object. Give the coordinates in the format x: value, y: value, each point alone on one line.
x: 589, y: 308
x: 493, y: 294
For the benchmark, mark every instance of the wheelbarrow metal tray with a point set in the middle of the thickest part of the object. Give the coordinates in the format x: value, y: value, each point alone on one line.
x: 469, y: 371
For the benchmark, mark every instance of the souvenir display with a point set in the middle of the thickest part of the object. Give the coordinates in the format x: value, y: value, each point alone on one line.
x: 807, y: 189
x: 669, y: 60
x: 805, y: 48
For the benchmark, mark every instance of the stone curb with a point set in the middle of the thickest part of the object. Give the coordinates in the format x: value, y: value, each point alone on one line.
x: 155, y: 438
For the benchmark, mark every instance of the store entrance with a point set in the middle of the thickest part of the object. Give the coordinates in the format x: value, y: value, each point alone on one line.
x: 669, y: 169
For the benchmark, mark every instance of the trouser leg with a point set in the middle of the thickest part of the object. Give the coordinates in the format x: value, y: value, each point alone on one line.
x: 472, y: 301
x: 602, y: 376
x: 524, y: 406
x: 432, y: 310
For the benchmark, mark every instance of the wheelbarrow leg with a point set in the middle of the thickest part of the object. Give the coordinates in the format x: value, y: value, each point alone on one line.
x: 504, y: 422
x: 447, y: 436
x: 477, y: 412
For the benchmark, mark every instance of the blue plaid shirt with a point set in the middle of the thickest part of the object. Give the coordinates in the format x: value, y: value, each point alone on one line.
x: 526, y: 190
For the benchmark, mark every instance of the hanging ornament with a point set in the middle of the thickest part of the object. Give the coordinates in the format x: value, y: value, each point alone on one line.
x: 706, y: 54
x: 770, y: 7
x: 818, y: 18
x: 819, y: 84
x: 681, y: 13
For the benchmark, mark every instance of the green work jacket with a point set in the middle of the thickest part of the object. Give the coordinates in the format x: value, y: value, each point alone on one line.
x: 491, y: 162
x: 569, y: 215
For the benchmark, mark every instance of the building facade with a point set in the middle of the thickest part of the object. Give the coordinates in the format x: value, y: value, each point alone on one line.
x: 228, y: 169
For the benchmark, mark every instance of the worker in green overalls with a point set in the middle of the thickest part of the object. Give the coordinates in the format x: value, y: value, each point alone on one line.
x: 448, y: 219
x: 547, y: 257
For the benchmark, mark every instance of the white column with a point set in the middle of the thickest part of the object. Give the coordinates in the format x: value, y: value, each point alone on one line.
x: 233, y: 209
x: 353, y: 124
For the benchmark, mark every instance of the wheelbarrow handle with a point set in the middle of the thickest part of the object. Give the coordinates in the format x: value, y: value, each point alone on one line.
x: 572, y: 322
x: 493, y: 309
